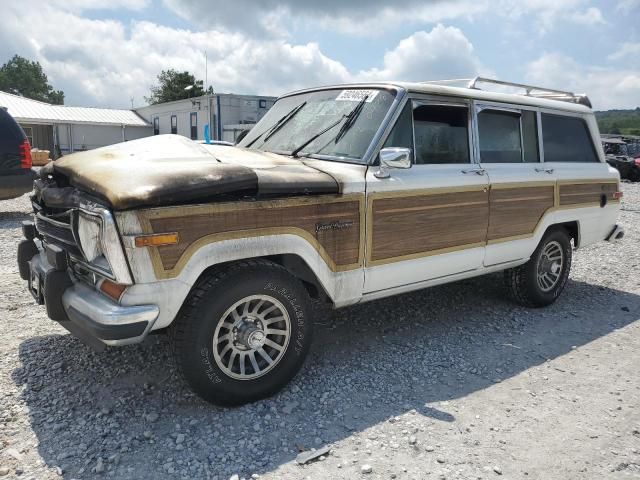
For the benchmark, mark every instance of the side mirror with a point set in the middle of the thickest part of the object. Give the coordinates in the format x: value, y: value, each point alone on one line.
x: 393, y: 157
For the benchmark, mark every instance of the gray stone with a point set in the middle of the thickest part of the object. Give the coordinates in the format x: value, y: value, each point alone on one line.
x: 306, y: 457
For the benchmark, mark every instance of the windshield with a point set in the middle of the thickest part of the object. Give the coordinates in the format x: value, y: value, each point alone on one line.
x: 293, y: 121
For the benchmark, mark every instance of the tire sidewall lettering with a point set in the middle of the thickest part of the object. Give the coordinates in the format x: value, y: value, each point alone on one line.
x: 293, y: 304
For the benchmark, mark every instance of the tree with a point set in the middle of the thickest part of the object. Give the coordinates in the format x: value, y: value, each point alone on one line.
x: 23, y: 77
x: 173, y: 85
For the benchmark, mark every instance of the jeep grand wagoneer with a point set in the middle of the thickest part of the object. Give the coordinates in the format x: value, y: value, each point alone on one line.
x: 346, y: 193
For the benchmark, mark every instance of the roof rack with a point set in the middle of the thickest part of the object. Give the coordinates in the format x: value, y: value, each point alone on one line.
x: 530, y: 90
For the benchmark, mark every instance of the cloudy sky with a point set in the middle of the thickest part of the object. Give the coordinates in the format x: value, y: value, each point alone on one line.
x: 104, y: 52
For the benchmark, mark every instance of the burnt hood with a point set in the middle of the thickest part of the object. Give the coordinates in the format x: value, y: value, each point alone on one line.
x: 171, y: 169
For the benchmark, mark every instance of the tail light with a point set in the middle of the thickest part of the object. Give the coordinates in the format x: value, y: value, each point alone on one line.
x: 25, y: 155
x: 637, y: 161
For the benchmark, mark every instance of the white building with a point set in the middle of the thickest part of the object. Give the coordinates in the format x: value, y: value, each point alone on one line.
x: 226, y: 114
x: 62, y: 129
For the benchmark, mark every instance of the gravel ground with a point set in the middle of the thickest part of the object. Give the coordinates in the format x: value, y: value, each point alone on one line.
x: 450, y: 382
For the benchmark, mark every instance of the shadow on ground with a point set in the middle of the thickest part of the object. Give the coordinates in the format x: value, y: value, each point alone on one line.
x: 9, y: 220
x: 369, y: 363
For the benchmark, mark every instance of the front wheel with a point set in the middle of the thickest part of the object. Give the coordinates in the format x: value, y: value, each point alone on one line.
x: 541, y: 280
x: 244, y: 332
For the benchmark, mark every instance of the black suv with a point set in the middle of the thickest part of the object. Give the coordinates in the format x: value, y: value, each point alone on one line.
x: 16, y: 176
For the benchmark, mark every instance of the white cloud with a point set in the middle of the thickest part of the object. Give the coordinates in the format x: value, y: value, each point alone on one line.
x: 591, y: 16
x: 606, y: 87
x: 104, y: 62
x: 627, y: 6
x: 373, y: 17
x: 361, y: 17
x: 444, y: 52
x: 547, y: 14
x: 626, y: 50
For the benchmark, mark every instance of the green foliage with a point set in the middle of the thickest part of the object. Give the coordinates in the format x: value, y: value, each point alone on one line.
x: 624, y: 122
x: 172, y: 86
x: 23, y: 77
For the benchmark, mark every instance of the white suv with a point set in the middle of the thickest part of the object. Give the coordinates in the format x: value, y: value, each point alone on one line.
x: 346, y: 194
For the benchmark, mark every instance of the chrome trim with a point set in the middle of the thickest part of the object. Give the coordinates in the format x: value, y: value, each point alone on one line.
x: 387, y: 124
x: 376, y: 142
x: 109, y: 238
x: 106, y: 312
x: 57, y: 224
x: 393, y: 157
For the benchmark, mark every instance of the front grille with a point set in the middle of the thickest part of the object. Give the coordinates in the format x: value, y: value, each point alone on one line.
x: 57, y: 230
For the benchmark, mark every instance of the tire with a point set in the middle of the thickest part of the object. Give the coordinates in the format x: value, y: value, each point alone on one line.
x: 523, y: 282
x: 215, y: 311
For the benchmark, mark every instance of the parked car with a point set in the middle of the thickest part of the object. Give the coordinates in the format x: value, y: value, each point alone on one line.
x: 342, y: 194
x: 16, y: 176
x: 617, y: 155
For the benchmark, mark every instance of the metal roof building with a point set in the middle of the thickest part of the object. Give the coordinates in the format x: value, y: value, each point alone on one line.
x: 62, y: 129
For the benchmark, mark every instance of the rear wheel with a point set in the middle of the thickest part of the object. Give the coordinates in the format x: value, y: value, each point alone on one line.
x: 542, y: 279
x: 244, y: 332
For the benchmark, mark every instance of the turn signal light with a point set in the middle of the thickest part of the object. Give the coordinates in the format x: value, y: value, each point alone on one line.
x: 156, y: 240
x: 617, y: 195
x: 113, y: 290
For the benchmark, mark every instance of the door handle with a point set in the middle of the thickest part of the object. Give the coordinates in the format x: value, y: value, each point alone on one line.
x: 544, y: 170
x: 477, y: 171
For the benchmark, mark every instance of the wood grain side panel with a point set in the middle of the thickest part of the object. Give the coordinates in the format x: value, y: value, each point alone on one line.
x: 404, y: 226
x: 517, y: 211
x: 341, y: 244
x: 587, y: 193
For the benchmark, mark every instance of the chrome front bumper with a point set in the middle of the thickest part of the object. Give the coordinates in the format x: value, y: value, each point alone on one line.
x: 86, y: 313
x: 106, y: 320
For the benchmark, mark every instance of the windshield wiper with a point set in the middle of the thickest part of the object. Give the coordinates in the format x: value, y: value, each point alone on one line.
x: 278, y: 125
x: 350, y: 117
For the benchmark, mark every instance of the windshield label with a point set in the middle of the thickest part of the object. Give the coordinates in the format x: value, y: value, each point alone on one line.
x: 356, y: 95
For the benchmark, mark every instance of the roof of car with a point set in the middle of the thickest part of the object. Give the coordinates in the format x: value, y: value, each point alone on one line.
x: 539, y: 97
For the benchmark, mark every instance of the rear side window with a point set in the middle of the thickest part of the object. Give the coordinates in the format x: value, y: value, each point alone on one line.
x: 441, y: 134
x: 499, y: 133
x: 567, y: 139
x: 508, y: 137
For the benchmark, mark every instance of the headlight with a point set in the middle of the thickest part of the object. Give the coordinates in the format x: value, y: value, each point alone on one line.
x: 89, y: 236
x: 100, y: 244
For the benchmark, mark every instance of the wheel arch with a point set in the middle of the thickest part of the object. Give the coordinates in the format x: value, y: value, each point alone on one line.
x: 572, y: 228
x: 295, y: 264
